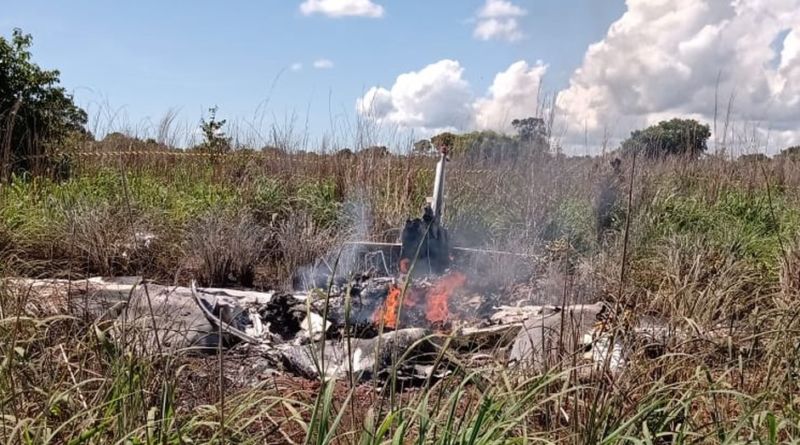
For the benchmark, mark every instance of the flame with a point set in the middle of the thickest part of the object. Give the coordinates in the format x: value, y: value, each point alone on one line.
x: 439, y: 294
x: 436, y: 299
x: 387, y: 313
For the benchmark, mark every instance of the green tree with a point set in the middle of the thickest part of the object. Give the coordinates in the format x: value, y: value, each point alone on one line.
x: 214, y: 139
x: 37, y: 116
x: 533, y: 134
x: 444, y: 140
x: 685, y: 137
x: 530, y: 129
x: 476, y: 146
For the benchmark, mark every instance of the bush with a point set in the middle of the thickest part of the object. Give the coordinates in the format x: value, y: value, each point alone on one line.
x: 109, y: 242
x: 476, y: 146
x: 214, y: 138
x: 754, y: 157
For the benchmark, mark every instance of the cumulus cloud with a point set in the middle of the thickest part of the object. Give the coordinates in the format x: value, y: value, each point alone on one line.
x: 661, y: 59
x: 342, y: 8
x: 297, y: 66
x: 323, y: 64
x: 680, y: 58
x: 514, y: 94
x: 434, y: 98
x: 438, y: 98
x: 498, y: 19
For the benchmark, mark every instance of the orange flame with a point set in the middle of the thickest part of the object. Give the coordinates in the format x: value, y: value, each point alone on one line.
x: 387, y: 312
x: 438, y: 296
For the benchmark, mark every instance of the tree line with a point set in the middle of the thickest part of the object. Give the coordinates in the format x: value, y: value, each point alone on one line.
x: 39, y: 120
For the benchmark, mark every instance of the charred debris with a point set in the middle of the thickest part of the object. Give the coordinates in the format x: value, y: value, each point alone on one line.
x: 414, y: 312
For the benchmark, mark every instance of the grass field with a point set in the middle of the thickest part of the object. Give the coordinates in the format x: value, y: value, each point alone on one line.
x: 703, y: 243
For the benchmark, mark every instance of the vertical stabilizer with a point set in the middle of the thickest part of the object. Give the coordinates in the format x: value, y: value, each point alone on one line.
x: 437, y: 201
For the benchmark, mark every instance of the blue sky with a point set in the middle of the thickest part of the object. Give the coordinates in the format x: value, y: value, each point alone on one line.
x: 429, y: 65
x: 145, y: 57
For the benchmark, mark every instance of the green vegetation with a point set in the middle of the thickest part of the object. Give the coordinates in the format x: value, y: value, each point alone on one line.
x: 214, y: 138
x: 712, y: 243
x: 37, y: 116
x: 685, y: 137
x: 532, y: 139
x: 709, y: 245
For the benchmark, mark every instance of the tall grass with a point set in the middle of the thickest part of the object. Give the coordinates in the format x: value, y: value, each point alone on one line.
x: 712, y: 250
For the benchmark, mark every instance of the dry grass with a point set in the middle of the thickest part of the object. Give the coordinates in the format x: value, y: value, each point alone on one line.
x: 711, y: 250
x: 228, y: 246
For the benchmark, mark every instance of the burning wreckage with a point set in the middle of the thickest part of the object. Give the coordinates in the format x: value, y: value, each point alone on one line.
x: 422, y: 321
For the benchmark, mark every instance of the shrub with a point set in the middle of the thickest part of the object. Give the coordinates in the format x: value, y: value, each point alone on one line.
x: 475, y: 146
x: 299, y: 241
x: 754, y: 157
x: 744, y: 225
x: 572, y: 221
x: 691, y: 275
x: 214, y: 138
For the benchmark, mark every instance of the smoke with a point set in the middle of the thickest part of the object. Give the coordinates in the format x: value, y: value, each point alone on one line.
x: 340, y: 263
x: 606, y: 203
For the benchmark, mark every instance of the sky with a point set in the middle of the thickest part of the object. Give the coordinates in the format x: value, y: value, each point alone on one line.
x: 357, y: 72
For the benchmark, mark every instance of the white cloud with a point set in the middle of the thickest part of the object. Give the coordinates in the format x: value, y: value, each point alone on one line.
x: 500, y: 8
x: 498, y: 19
x: 676, y: 58
x: 342, y: 8
x: 661, y: 59
x: 297, y: 66
x: 438, y: 98
x: 431, y: 99
x: 791, y: 49
x: 514, y: 94
x: 323, y: 64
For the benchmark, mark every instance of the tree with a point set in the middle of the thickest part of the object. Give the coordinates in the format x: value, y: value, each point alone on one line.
x: 36, y: 114
x: 374, y: 151
x: 533, y: 134
x: 424, y: 147
x: 214, y: 139
x: 530, y: 129
x: 444, y: 140
x: 685, y: 137
x: 754, y: 157
x: 478, y: 146
x: 792, y: 152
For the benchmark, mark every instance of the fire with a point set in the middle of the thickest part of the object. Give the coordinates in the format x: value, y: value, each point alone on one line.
x: 436, y: 301
x: 387, y: 313
x: 439, y: 294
